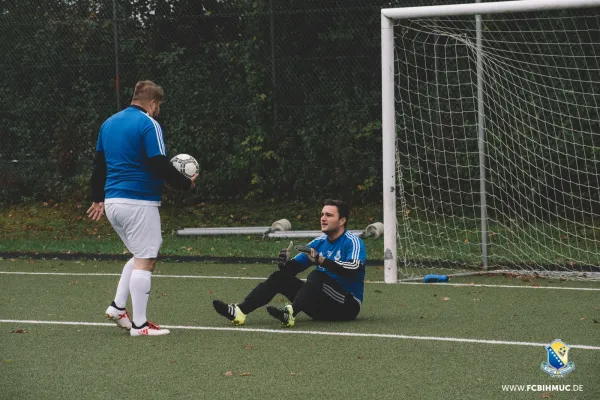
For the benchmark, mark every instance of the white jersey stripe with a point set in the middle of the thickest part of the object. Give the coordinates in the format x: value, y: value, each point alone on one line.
x: 353, y: 264
x: 356, y: 250
x: 159, y: 137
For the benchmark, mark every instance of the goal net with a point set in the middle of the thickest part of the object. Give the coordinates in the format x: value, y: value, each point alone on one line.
x: 496, y: 138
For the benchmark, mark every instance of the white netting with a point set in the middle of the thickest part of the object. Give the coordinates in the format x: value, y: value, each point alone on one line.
x: 541, y: 85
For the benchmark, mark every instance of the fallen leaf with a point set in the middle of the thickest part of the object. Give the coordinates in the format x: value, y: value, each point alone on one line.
x: 19, y: 331
x: 228, y: 373
x: 581, y: 319
x: 172, y: 362
x: 294, y: 373
x: 210, y: 291
x: 73, y: 283
x: 248, y: 347
x: 444, y: 298
x: 246, y: 374
x: 546, y: 395
x: 476, y: 299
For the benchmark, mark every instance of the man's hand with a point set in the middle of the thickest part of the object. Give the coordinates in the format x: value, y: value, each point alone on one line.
x: 284, y: 256
x: 193, y: 179
x: 312, y: 254
x: 313, y: 257
x: 96, y: 211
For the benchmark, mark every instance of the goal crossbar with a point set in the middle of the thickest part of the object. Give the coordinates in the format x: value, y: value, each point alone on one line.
x: 485, y: 8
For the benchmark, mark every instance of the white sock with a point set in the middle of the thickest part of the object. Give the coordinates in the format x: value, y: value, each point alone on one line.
x: 139, y: 286
x: 123, y: 286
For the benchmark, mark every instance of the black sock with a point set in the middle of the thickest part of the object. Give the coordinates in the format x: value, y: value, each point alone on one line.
x: 115, y: 306
x: 145, y: 324
x: 223, y: 309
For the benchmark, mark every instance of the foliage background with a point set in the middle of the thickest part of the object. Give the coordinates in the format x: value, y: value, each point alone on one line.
x: 276, y: 99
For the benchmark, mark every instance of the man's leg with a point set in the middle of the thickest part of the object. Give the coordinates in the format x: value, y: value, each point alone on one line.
x: 321, y: 298
x: 123, y: 287
x: 282, y: 282
x: 325, y: 300
x: 139, y: 286
x: 142, y: 229
x: 116, y: 311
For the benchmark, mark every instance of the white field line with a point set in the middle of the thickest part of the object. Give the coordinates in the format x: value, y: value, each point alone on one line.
x: 263, y: 278
x: 320, y: 333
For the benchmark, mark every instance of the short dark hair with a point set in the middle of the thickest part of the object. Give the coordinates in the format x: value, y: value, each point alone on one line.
x: 342, y: 207
x: 148, y: 91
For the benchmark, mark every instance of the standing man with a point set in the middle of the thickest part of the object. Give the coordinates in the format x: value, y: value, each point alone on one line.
x: 332, y: 292
x: 130, y: 168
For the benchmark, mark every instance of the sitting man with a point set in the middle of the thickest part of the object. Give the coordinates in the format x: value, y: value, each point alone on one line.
x: 333, y: 291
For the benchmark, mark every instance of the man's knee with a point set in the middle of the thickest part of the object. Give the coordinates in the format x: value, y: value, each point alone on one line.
x: 280, y: 276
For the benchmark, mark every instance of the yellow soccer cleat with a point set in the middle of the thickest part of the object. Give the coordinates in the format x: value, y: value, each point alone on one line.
x: 283, y: 314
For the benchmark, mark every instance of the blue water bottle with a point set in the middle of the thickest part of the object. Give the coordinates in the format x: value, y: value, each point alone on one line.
x: 435, y: 278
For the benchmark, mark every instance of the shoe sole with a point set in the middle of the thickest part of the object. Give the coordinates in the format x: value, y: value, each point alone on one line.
x: 162, y: 334
x: 107, y: 316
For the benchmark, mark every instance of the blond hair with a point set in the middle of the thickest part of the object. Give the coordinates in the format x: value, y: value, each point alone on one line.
x: 148, y: 91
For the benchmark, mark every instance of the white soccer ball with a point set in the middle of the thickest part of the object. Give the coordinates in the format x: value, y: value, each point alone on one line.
x: 186, y: 164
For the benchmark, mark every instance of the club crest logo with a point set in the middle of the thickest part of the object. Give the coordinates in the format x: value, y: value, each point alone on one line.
x: 338, y: 256
x: 558, y: 364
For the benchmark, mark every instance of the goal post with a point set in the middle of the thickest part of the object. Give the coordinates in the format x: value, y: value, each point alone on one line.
x: 491, y: 138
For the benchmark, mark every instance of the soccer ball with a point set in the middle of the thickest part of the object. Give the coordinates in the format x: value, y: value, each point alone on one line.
x: 185, y: 164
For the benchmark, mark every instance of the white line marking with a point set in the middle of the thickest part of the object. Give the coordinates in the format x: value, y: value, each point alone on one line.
x: 321, y: 333
x: 498, y: 286
x: 115, y: 274
x: 264, y: 278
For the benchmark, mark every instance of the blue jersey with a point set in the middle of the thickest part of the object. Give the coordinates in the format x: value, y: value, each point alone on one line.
x: 349, y: 252
x: 128, y: 139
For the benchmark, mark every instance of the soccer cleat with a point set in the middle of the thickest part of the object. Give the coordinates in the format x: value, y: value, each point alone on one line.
x: 148, y: 329
x: 119, y: 317
x: 284, y: 314
x: 230, y: 311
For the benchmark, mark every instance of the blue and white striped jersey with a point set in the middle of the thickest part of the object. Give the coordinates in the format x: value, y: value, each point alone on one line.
x: 349, y: 252
x: 128, y: 139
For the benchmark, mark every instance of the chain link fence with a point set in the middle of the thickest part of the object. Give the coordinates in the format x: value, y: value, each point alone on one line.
x: 276, y: 99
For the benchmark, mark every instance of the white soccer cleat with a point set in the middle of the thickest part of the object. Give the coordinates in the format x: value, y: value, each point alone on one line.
x: 149, y: 329
x: 119, y: 317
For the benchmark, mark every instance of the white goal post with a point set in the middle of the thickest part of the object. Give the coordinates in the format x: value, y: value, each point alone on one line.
x: 496, y: 92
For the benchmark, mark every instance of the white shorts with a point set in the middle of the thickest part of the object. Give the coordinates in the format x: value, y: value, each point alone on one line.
x: 138, y: 226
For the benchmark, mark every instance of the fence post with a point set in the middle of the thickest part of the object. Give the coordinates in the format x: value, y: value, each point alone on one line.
x: 116, y: 38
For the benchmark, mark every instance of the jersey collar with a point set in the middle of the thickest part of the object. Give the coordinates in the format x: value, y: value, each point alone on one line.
x: 138, y: 107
